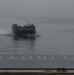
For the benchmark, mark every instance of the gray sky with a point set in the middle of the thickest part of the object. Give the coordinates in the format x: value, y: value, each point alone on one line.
x: 33, y: 8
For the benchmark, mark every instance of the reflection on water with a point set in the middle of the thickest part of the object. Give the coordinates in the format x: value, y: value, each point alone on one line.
x: 19, y: 37
x: 23, y: 44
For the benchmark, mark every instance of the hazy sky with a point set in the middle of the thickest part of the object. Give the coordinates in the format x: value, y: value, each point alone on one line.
x: 33, y: 8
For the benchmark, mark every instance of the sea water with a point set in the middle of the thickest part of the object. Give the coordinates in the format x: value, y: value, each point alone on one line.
x: 53, y: 37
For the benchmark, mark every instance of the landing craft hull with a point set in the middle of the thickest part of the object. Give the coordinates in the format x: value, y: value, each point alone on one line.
x: 18, y: 30
x: 23, y: 32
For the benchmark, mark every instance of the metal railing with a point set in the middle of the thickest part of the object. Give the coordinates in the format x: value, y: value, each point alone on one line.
x: 36, y: 71
x: 39, y: 69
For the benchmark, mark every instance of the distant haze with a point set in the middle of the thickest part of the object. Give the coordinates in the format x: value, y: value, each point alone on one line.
x: 40, y: 8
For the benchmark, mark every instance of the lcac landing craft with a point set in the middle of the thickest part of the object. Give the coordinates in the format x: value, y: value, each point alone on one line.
x: 26, y: 29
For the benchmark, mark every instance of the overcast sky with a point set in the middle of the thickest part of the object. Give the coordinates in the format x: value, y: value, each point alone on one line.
x: 33, y: 8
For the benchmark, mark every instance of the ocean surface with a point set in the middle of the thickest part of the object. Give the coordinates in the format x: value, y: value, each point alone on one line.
x: 55, y: 36
x: 52, y: 46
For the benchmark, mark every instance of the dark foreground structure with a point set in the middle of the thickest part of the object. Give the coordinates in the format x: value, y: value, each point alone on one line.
x: 36, y: 71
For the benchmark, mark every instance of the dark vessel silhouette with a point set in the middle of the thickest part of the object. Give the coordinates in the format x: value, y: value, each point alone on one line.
x: 26, y: 29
